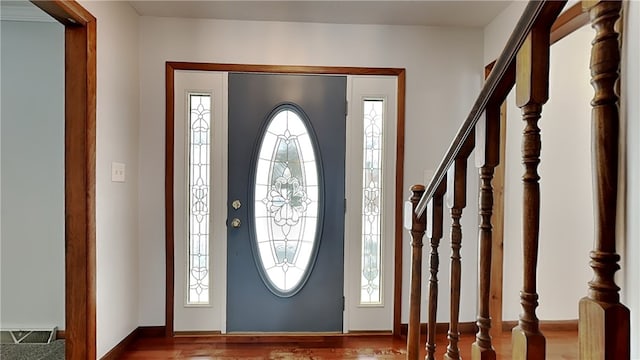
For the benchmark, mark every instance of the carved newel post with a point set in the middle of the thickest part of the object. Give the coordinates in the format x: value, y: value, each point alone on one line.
x: 418, y: 226
x: 603, y: 320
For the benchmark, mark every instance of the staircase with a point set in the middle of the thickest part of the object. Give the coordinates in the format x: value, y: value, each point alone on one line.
x: 604, y: 330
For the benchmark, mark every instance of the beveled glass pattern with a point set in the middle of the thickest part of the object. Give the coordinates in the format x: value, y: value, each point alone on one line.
x: 286, y: 201
x: 199, y: 197
x: 370, y: 282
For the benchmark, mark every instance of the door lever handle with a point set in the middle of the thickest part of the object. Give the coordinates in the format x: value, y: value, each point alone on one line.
x: 235, y: 223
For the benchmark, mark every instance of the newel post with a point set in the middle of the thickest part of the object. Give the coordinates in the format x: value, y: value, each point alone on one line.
x: 418, y: 226
x: 604, y: 330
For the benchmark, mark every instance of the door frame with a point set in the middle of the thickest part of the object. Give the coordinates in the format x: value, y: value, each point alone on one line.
x: 171, y: 67
x: 80, y: 180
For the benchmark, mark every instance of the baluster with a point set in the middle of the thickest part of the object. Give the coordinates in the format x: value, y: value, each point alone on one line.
x: 457, y: 200
x: 487, y: 158
x: 532, y: 87
x: 604, y: 321
x: 418, y: 225
x: 434, y: 232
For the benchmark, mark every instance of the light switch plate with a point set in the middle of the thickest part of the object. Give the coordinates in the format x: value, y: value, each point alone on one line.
x: 117, y: 172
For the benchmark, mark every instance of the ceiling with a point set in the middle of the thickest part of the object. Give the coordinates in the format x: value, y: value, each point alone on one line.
x: 473, y: 13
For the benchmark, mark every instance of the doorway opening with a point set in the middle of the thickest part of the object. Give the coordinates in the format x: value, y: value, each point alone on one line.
x: 80, y: 155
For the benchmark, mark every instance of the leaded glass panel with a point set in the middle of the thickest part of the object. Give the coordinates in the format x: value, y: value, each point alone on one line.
x: 286, y: 202
x: 370, y: 293
x: 199, y: 197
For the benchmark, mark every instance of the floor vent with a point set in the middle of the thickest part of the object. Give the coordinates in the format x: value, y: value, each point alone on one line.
x: 27, y: 336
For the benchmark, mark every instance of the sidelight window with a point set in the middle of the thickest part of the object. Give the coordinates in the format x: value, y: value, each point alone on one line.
x: 199, y: 142
x: 370, y: 280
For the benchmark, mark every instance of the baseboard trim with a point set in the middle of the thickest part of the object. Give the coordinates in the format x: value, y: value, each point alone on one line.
x: 151, y: 331
x: 122, y: 346
x: 61, y: 334
x: 144, y: 332
x: 546, y: 325
x: 369, y: 333
x: 196, y: 333
x: 443, y: 328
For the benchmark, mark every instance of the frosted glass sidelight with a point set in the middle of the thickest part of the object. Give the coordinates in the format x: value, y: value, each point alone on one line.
x: 370, y: 281
x: 286, y: 195
x: 199, y: 197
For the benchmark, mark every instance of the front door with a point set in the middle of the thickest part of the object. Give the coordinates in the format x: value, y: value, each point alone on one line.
x: 285, y: 234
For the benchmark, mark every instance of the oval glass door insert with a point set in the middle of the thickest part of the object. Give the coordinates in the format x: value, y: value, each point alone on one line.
x: 286, y: 206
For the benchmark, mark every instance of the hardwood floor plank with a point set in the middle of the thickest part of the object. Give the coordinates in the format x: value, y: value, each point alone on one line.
x: 561, y: 345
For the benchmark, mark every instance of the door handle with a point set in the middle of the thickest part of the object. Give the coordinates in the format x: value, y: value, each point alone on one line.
x: 235, y: 223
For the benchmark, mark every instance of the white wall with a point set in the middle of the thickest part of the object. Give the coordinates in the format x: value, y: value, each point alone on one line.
x: 631, y: 114
x: 32, y: 175
x: 439, y: 62
x: 498, y: 31
x: 116, y: 203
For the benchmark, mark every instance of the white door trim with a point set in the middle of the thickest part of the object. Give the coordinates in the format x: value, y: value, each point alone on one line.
x: 358, y: 317
x: 210, y: 317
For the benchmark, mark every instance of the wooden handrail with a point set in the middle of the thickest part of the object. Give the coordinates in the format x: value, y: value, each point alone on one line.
x: 495, y: 89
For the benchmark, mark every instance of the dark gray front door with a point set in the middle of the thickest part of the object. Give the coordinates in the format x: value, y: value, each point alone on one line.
x: 286, y: 171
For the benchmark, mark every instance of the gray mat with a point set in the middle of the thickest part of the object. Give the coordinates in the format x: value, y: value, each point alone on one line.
x: 51, y: 351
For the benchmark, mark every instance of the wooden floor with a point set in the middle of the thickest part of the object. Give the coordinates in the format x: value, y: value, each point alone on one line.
x: 560, y: 345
